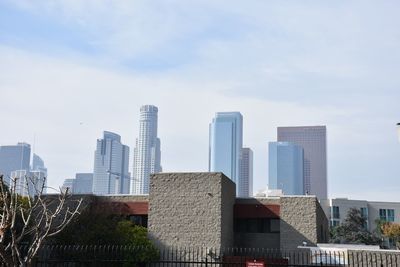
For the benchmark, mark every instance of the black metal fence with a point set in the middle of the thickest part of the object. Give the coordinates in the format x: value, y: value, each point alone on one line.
x: 109, y: 255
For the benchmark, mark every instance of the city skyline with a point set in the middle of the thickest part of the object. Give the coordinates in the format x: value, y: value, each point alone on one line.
x: 70, y: 70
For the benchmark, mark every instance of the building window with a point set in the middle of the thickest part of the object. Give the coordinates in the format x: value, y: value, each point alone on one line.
x: 257, y: 225
x: 139, y: 220
x: 334, y: 223
x: 335, y: 212
x: 364, y: 213
x: 386, y: 215
x: 390, y: 215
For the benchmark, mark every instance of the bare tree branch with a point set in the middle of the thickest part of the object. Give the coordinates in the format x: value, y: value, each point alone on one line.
x: 27, y: 215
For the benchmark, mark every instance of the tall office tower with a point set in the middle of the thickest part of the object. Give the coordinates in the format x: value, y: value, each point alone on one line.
x: 38, y: 164
x: 226, y: 131
x: 286, y: 168
x: 246, y: 173
x: 83, y: 183
x: 313, y: 141
x: 68, y: 184
x: 147, y: 154
x: 29, y: 183
x: 111, y: 164
x: 13, y: 158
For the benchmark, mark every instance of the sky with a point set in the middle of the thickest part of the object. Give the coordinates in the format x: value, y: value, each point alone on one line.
x: 70, y: 69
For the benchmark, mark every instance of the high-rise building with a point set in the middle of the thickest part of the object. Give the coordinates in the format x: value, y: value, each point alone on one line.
x: 226, y: 131
x: 83, y: 183
x: 111, y: 165
x: 246, y: 173
x: 313, y: 141
x: 286, y: 168
x: 13, y: 158
x: 68, y: 184
x: 147, y: 153
x: 29, y: 183
x: 38, y: 164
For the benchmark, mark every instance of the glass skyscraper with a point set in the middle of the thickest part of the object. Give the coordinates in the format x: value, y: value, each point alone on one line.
x: 226, y: 131
x: 286, y: 168
x: 13, y: 158
x: 246, y: 173
x: 111, y: 165
x: 30, y: 183
x: 83, y: 183
x: 313, y: 141
x: 147, y: 153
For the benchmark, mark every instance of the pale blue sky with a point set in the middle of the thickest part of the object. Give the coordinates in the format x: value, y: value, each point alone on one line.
x: 280, y: 63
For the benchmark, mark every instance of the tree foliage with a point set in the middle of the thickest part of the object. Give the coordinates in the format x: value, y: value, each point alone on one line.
x: 392, y: 230
x: 353, y: 231
x: 105, y: 228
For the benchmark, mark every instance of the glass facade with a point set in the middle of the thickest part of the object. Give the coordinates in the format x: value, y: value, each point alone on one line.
x: 110, y: 174
x: 226, y: 131
x: 335, y: 212
x: 13, y: 158
x: 286, y: 168
x: 313, y: 141
x: 386, y: 215
x: 83, y: 183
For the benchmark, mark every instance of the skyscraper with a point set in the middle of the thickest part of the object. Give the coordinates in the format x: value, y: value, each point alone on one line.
x: 29, y: 183
x: 286, y: 168
x: 147, y: 154
x: 68, y: 184
x: 83, y: 183
x: 38, y: 164
x: 246, y: 173
x: 13, y: 158
x: 111, y: 165
x: 226, y: 131
x: 313, y: 141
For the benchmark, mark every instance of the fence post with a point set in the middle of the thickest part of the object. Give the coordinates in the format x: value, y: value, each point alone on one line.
x: 206, y: 261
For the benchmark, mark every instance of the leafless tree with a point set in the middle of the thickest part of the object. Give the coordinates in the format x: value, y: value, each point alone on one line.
x: 27, y: 221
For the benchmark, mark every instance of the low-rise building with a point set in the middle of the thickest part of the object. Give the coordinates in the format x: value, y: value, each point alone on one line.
x: 336, y: 210
x: 201, y: 210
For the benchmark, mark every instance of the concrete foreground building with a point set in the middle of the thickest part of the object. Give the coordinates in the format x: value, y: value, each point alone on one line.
x: 286, y: 168
x: 226, y: 143
x: 111, y: 165
x: 147, y: 153
x: 201, y: 210
x: 313, y: 141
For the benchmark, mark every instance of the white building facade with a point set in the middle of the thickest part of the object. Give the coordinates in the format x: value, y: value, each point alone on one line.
x: 147, y: 153
x: 336, y: 210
